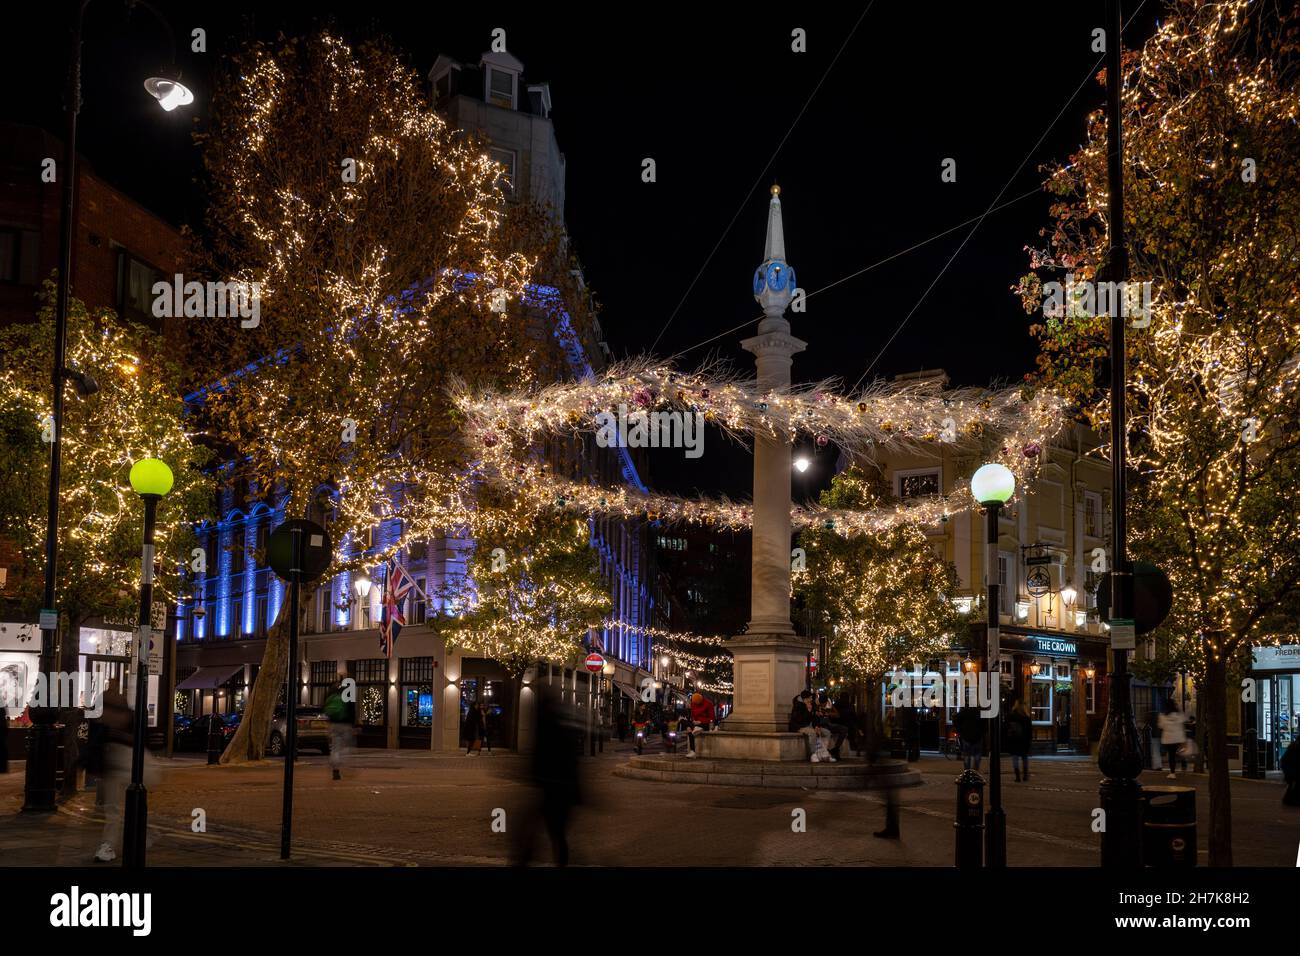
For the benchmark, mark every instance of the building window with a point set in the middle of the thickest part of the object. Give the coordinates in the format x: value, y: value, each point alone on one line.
x: 501, y: 88
x: 1090, y: 692
x: 506, y: 159
x: 260, y: 611
x: 1040, y: 699
x: 417, y: 691
x: 19, y: 256
x: 237, y: 551
x: 135, y: 282
x: 1006, y: 582
x: 236, y: 628
x: 324, y: 678
x: 1092, y: 514
x: 419, y: 609
x: 918, y: 484
x: 372, y: 693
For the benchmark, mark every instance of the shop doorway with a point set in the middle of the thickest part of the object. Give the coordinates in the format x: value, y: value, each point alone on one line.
x: 496, y: 695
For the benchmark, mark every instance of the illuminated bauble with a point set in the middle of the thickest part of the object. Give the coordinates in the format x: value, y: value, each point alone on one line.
x: 822, y: 441
x: 1032, y: 449
x: 761, y: 406
x: 704, y: 393
x: 642, y: 398
x: 862, y: 408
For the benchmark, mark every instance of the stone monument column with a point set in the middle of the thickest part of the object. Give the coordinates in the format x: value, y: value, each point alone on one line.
x: 769, y: 658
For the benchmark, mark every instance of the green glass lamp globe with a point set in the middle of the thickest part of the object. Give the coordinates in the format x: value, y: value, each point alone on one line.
x: 993, y: 483
x: 151, y: 476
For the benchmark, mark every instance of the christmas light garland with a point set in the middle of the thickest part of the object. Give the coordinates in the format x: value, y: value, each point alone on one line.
x: 907, y: 417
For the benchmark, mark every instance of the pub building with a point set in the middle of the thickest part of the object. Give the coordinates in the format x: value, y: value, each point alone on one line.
x: 1053, y: 542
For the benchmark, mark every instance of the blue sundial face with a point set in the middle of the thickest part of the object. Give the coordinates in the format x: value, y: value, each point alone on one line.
x: 759, y: 281
x: 776, y: 276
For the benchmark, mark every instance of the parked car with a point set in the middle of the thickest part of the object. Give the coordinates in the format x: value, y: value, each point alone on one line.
x: 313, y: 731
x: 191, y: 733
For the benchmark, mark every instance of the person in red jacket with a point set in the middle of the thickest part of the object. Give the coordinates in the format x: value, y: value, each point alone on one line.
x: 702, y: 714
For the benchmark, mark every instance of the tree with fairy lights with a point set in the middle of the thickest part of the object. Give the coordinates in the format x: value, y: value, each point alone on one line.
x: 1210, y: 108
x: 885, y: 596
x: 386, y: 262
x: 137, y: 412
x: 530, y: 590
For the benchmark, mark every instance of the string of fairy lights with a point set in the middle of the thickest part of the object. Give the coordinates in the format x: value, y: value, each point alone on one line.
x: 906, y: 417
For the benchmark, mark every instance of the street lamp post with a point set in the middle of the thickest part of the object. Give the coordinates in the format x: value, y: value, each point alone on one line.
x: 151, y: 479
x: 992, y: 486
x: 38, y: 793
x: 1119, y: 755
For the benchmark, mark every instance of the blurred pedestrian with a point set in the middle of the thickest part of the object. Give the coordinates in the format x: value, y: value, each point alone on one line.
x: 970, y: 728
x: 342, y: 717
x: 475, y: 728
x: 554, y: 773
x: 1290, y: 764
x: 1173, y: 734
x: 1020, y: 733
x: 108, y: 756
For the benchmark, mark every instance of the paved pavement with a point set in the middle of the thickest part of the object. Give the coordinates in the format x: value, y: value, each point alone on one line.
x: 408, y: 808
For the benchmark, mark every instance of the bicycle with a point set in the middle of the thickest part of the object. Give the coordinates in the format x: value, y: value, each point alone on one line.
x: 951, y: 746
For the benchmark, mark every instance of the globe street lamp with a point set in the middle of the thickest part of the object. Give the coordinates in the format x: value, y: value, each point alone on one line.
x: 38, y: 785
x: 992, y: 486
x: 151, y: 479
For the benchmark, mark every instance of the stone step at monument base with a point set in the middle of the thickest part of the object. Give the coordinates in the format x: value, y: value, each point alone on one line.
x: 846, y: 774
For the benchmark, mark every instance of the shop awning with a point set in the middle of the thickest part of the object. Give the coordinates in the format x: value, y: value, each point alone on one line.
x: 628, y: 690
x: 210, y: 678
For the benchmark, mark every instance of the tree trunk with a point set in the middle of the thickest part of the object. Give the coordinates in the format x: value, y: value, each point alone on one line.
x: 1216, y: 740
x: 249, y: 742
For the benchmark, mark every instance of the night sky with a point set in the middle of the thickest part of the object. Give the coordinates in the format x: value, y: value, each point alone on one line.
x: 710, y: 92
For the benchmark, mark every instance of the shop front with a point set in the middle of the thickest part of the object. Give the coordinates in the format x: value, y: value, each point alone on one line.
x: 1271, y: 721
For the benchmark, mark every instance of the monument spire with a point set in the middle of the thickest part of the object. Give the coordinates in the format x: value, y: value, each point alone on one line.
x: 774, y: 279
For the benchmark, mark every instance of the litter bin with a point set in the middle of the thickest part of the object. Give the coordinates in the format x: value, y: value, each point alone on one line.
x: 1169, y: 827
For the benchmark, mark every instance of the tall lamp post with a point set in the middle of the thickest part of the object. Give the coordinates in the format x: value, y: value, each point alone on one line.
x: 1119, y: 755
x: 992, y: 486
x: 170, y: 92
x: 151, y: 479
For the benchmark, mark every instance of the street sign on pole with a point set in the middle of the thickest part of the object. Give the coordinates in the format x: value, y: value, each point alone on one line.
x: 594, y: 663
x: 1123, y: 635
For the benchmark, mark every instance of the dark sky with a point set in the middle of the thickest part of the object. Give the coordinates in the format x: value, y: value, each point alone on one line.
x: 710, y: 91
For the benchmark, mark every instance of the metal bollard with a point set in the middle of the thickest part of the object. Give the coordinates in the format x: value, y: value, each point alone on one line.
x: 969, y: 823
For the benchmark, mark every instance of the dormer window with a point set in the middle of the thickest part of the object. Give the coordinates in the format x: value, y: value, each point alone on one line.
x: 501, y: 87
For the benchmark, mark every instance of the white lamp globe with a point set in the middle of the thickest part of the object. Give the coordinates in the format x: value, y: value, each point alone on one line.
x: 801, y: 465
x: 993, y: 484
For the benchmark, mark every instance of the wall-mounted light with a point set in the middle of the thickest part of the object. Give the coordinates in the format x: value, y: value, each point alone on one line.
x: 1090, y: 672
x: 1022, y: 610
x: 801, y: 464
x: 1068, y: 596
x: 1080, y: 619
x: 1035, y: 667
x: 968, y: 665
x: 362, y: 586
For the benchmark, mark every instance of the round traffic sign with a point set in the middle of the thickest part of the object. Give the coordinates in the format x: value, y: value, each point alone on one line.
x: 1153, y: 596
x: 314, y: 558
x: 594, y: 663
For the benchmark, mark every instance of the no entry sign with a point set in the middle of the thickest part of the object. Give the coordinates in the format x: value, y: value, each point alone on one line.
x: 594, y: 663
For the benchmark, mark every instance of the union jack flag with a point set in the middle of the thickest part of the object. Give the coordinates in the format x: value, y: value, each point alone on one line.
x: 397, y: 585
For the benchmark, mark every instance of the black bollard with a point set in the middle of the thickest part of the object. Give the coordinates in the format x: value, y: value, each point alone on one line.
x: 969, y: 823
